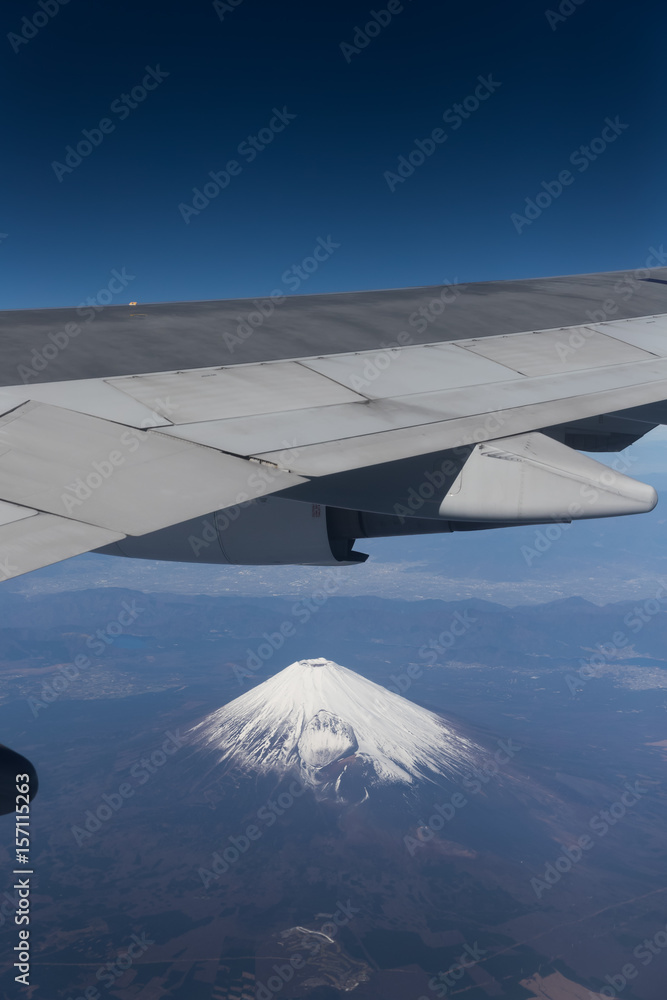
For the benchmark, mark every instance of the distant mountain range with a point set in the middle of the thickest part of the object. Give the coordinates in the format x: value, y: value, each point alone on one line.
x: 247, y: 639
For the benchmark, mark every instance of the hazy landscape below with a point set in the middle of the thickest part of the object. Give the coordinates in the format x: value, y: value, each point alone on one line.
x: 574, y: 690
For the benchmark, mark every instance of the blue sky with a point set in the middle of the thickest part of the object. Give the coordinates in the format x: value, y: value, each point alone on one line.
x: 365, y: 91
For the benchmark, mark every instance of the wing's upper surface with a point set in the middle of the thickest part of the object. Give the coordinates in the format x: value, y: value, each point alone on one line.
x: 132, y: 445
x: 128, y: 340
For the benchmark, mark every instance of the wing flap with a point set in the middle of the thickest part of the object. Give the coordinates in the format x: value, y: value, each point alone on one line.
x: 91, y: 396
x: 33, y: 542
x: 431, y: 396
x: 404, y: 442
x: 429, y: 368
x: 11, y: 512
x: 549, y: 352
x: 123, y: 479
x: 240, y: 391
x: 647, y: 333
x: 431, y: 421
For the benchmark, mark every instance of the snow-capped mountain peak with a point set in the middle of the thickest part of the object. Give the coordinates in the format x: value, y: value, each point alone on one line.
x: 320, y: 719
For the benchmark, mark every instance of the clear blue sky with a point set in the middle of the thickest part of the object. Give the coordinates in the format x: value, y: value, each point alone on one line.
x: 357, y: 112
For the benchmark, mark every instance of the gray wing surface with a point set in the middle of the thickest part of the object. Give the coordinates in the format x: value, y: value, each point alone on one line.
x: 147, y: 416
x: 130, y: 340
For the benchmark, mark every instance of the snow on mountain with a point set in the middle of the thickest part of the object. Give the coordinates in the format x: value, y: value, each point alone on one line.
x: 322, y: 720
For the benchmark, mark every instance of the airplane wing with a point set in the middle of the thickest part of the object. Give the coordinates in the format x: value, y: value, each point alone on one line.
x: 118, y: 424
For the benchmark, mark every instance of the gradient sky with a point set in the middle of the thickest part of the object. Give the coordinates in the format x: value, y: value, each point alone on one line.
x: 323, y: 175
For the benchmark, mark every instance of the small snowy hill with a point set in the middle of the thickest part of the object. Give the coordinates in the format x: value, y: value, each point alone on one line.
x: 321, y: 720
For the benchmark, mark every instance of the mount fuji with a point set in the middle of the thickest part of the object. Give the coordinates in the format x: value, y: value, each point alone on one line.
x: 338, y: 732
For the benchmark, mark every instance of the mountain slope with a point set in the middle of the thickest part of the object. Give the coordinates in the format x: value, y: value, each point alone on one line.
x: 326, y: 722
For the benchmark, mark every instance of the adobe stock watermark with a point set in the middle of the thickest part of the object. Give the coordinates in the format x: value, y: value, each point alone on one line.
x: 121, y: 107
x: 428, y: 312
x: 435, y: 481
x: 31, y: 26
x: 8, y: 907
x: 600, y: 824
x: 376, y: 364
x: 419, y: 319
x: 224, y: 7
x: 624, y: 288
x: 249, y: 149
x: 110, y: 972
x: 565, y: 10
x: 302, y: 612
x: 627, y: 286
x: 454, y: 117
x: 581, y: 158
x: 545, y: 537
x: 84, y: 486
x: 313, y: 942
x: 239, y: 844
x: 99, y: 642
x: 7, y: 569
x: 292, y: 278
x: 645, y: 953
x: 364, y: 34
x: 88, y: 310
x: 258, y: 480
x: 635, y: 620
x: 474, y: 782
x: 140, y: 773
x: 445, y: 981
x: 458, y: 626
